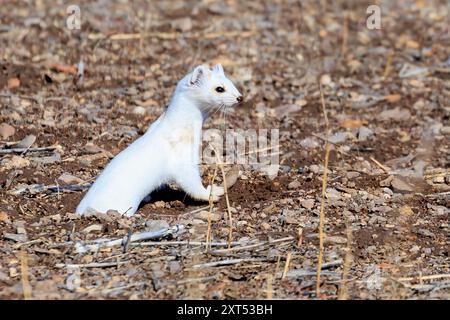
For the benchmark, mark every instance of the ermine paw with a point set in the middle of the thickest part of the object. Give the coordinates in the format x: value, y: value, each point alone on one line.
x: 217, y: 191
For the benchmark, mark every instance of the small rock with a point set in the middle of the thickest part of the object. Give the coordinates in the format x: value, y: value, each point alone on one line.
x: 290, y: 220
x: 159, y: 204
x: 364, y: 133
x: 307, y: 204
x: 439, y: 179
x: 141, y: 111
x: 91, y: 148
x: 309, y: 143
x: 325, y: 80
x: 4, y: 217
x: 241, y: 223
x: 388, y: 191
x: 16, y: 237
x: 156, y: 225
x: 333, y: 194
x: 6, y: 131
x: 203, y: 215
x: 73, y: 282
x: 294, y: 185
x: 183, y: 24
x: 425, y: 232
x: 285, y: 110
x: 15, y: 162
x: 26, y: 142
x: 68, y: 179
x: 335, y: 240
x: 414, y: 249
x: 285, y: 169
x: 339, y: 137
x: 401, y: 186
x: 314, y: 168
x: 386, y: 182
x: 396, y: 114
x: 56, y: 157
x: 445, y: 130
x: 353, y: 174
x: 265, y: 226
x: 232, y: 176
x: 270, y: 170
x: 174, y: 267
x: 92, y: 228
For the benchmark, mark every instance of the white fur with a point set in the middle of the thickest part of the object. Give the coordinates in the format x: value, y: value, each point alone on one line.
x: 168, y: 151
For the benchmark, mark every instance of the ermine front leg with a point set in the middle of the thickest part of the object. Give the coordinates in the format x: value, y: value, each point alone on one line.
x: 190, y: 181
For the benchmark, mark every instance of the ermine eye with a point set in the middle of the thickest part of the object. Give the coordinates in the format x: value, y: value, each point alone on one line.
x: 220, y: 89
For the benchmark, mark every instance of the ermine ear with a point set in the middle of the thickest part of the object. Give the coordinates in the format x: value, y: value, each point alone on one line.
x: 218, y: 68
x: 197, y: 75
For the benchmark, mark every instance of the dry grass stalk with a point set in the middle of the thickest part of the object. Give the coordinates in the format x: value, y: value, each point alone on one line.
x: 343, y: 290
x: 388, y: 67
x: 300, y: 237
x: 269, y: 287
x: 286, y: 265
x: 211, y: 205
x: 171, y: 35
x: 225, y: 187
x: 383, y: 167
x: 344, y: 35
x: 277, y: 266
x: 324, y: 187
x: 24, y: 275
x: 230, y: 218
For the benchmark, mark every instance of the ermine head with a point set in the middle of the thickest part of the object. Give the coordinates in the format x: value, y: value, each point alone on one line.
x: 210, y: 88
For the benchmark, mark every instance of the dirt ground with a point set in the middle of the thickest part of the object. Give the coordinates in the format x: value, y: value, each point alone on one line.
x: 386, y: 94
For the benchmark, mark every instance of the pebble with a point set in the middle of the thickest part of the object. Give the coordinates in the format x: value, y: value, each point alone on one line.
x: 182, y: 24
x: 67, y: 179
x: 335, y: 240
x: 401, y: 186
x: 309, y: 143
x: 6, y: 131
x: 16, y: 237
x: 265, y: 226
x: 339, y: 137
x: 425, y: 232
x: 155, y: 225
x: 141, y: 111
x: 4, y: 217
x: 414, y: 249
x: 203, y: 215
x: 388, y: 191
x: 364, y: 133
x: 445, y: 130
x: 439, y: 179
x: 15, y: 162
x: 308, y: 203
x: 174, y: 266
x: 397, y: 114
x: 314, y: 168
x: 294, y: 185
x: 353, y: 174
x: 241, y: 223
x: 333, y: 194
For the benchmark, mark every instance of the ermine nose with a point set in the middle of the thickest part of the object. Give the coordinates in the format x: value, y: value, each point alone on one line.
x: 240, y: 99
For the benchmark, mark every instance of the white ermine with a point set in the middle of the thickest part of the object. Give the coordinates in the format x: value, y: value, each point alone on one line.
x: 168, y: 151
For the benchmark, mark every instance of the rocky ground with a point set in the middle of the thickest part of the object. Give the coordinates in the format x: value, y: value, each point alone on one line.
x: 72, y: 99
